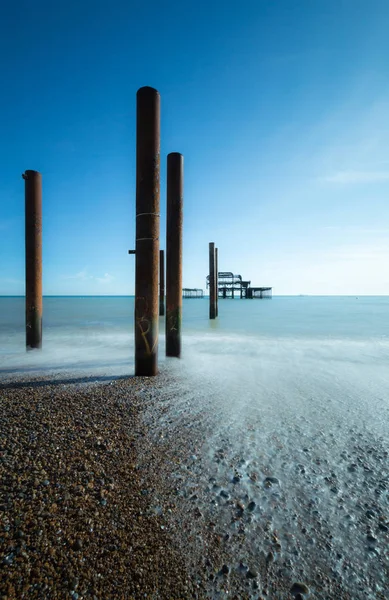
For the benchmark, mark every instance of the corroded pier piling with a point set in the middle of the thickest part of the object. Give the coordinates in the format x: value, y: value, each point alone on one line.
x: 33, y: 236
x: 212, y: 286
x: 147, y: 231
x: 161, y: 283
x: 174, y: 224
x: 216, y: 283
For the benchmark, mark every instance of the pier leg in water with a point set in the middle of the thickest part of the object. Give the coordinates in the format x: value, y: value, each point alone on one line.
x: 147, y: 231
x: 33, y: 228
x: 216, y: 283
x: 175, y: 201
x: 161, y: 283
x: 212, y: 303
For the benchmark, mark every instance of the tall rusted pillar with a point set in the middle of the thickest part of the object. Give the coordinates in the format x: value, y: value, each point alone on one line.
x: 216, y: 283
x: 161, y: 283
x: 147, y: 231
x: 174, y: 223
x: 212, y: 301
x: 33, y: 225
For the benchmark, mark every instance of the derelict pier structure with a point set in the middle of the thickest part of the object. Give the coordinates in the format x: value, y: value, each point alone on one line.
x: 230, y: 285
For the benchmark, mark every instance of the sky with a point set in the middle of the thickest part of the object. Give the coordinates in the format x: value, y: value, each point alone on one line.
x: 280, y: 108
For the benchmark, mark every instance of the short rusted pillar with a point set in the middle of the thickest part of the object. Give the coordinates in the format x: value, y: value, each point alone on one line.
x: 216, y: 283
x: 212, y: 302
x: 147, y: 231
x: 174, y: 223
x: 33, y: 225
x: 161, y: 283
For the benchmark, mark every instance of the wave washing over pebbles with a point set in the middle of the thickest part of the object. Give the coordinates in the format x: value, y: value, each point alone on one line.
x: 258, y: 465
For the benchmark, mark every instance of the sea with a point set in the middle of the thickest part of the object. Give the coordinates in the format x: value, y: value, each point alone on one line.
x: 294, y: 389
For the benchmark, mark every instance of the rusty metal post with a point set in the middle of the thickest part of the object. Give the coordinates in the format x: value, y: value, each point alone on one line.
x: 216, y: 284
x: 174, y: 223
x: 161, y: 283
x: 147, y: 231
x: 212, y: 303
x: 33, y: 228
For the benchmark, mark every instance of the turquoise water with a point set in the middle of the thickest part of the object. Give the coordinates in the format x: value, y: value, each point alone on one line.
x: 97, y: 332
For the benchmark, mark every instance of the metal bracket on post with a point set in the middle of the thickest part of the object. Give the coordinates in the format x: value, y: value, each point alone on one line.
x: 132, y: 252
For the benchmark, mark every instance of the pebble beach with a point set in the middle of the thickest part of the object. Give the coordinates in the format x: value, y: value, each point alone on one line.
x: 75, y: 504
x: 108, y: 490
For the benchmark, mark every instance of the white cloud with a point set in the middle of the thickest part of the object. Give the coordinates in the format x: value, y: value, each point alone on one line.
x: 81, y: 276
x: 106, y: 279
x: 353, y: 177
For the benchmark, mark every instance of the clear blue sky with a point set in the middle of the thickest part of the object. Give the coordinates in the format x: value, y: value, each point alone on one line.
x: 280, y: 107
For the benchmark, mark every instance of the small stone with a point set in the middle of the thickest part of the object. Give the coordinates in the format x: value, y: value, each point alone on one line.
x: 270, y: 558
x: 370, y: 514
x: 252, y: 574
x: 225, y: 570
x: 77, y: 544
x: 269, y: 481
x: 224, y: 494
x: 103, y: 502
x: 251, y: 506
x: 299, y: 588
x: 371, y: 539
x: 383, y: 527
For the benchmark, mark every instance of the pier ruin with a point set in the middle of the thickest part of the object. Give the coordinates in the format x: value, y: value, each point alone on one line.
x: 231, y: 285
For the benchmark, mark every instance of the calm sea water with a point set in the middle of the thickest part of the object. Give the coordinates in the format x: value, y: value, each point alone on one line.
x: 83, y: 329
x: 296, y: 388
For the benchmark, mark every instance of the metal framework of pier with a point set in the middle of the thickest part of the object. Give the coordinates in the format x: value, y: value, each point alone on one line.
x: 192, y: 293
x: 231, y: 285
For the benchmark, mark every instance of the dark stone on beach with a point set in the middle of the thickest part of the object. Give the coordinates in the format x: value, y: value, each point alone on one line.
x: 269, y: 481
x: 371, y: 539
x: 299, y: 597
x: 383, y: 527
x: 236, y: 479
x: 225, y: 570
x: 270, y: 558
x: 77, y: 544
x: 299, y: 588
x: 370, y: 514
x: 224, y: 494
x: 252, y: 574
x: 251, y: 506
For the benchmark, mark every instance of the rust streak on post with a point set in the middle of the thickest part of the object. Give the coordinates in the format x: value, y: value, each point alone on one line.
x: 216, y: 284
x: 147, y: 231
x: 212, y: 303
x: 174, y: 223
x: 161, y: 283
x: 33, y: 225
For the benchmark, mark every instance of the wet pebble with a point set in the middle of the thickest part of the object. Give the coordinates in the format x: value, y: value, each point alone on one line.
x: 252, y: 574
x: 299, y: 588
x: 270, y: 481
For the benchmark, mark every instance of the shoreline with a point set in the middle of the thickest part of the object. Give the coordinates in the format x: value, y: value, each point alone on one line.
x: 154, y: 498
